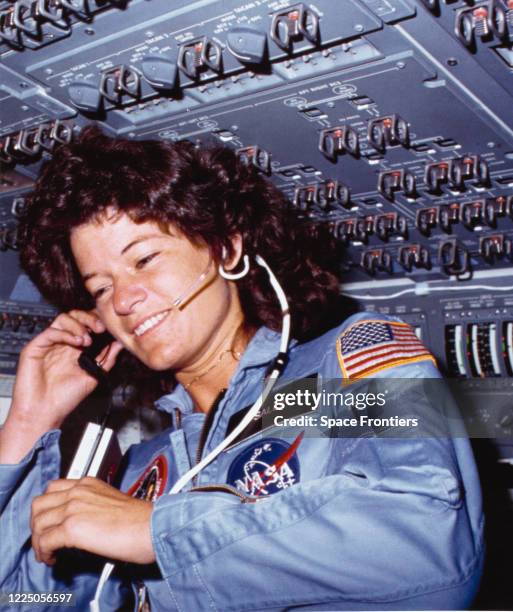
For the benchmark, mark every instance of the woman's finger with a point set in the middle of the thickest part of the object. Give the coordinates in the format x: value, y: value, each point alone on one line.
x: 107, y: 358
x: 52, y: 336
x: 66, y: 322
x: 88, y: 318
x: 48, y: 512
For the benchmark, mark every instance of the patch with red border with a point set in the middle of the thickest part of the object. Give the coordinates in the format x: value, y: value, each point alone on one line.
x: 152, y: 482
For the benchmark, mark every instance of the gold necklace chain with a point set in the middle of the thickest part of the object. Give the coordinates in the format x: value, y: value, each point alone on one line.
x: 235, y: 354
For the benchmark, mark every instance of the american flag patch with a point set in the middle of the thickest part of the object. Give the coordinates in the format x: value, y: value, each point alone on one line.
x: 367, y: 347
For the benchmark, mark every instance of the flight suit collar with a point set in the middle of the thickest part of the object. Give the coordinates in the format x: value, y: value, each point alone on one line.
x: 262, y: 348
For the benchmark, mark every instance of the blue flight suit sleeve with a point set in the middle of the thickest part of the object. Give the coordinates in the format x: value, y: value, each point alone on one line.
x: 391, y: 524
x: 18, y: 485
x: 19, y: 570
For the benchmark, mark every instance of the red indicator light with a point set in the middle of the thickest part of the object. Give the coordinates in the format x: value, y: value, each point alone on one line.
x: 480, y: 13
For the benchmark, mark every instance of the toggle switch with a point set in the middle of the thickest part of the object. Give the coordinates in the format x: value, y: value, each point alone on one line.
x: 295, y: 23
x: 119, y: 81
x: 388, y: 131
x: 338, y: 140
x: 198, y: 56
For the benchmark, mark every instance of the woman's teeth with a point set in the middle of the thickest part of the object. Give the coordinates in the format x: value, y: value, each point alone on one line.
x: 149, y: 323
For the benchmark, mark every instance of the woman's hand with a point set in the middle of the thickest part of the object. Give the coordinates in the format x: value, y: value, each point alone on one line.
x: 92, y: 516
x: 49, y: 382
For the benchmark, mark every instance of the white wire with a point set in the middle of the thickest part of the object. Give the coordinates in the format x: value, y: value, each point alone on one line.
x: 428, y: 290
x: 273, y: 377
x: 94, y: 605
x: 284, y: 305
x: 180, y: 483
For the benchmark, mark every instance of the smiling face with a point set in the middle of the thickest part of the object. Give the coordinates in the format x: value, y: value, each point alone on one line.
x: 135, y: 272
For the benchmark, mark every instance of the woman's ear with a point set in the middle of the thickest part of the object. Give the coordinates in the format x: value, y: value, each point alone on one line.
x: 230, y: 261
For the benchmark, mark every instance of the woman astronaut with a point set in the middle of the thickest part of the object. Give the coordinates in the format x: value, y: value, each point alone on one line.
x: 166, y: 246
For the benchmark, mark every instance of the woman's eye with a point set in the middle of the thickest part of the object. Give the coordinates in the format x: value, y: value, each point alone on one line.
x: 98, y: 293
x: 142, y: 262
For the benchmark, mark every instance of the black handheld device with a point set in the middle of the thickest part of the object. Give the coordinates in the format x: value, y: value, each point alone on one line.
x: 87, y: 359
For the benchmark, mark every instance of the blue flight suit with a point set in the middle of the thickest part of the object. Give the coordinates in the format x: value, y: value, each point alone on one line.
x: 362, y: 522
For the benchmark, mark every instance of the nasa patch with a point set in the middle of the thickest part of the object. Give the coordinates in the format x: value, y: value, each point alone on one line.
x: 152, y: 483
x: 267, y: 466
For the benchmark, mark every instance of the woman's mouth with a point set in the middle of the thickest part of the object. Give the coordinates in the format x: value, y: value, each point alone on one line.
x: 150, y: 323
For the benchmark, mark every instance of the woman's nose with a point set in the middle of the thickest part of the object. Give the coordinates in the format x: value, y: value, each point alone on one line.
x: 126, y: 296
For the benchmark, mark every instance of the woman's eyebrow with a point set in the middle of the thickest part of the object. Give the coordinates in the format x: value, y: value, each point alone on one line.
x: 138, y: 240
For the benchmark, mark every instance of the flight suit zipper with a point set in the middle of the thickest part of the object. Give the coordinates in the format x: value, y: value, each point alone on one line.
x: 209, y: 419
x: 225, y: 488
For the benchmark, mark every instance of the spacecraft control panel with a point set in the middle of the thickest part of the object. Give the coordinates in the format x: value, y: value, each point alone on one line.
x: 388, y: 121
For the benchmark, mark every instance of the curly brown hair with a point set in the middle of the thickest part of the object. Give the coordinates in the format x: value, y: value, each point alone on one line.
x: 207, y: 193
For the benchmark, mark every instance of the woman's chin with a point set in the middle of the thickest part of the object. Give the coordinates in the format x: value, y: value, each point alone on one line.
x: 158, y: 360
